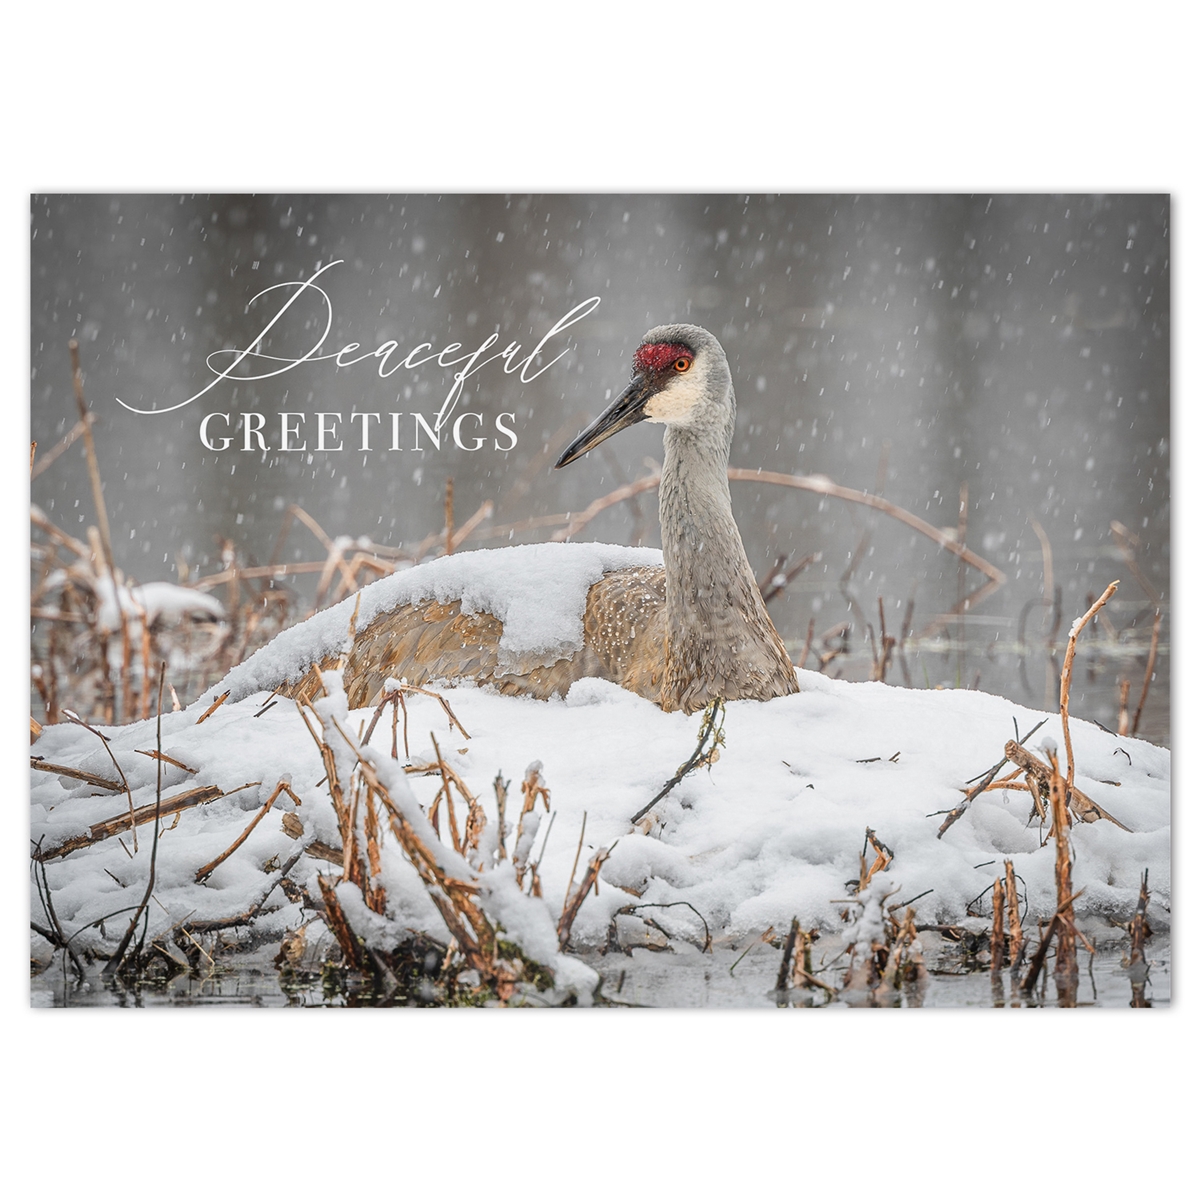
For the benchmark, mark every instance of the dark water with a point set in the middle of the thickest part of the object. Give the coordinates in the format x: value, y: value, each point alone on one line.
x: 678, y: 978
x: 1017, y: 347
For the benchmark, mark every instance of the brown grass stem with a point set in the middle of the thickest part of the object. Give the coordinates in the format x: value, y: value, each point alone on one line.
x: 1137, y: 715
x: 1068, y: 665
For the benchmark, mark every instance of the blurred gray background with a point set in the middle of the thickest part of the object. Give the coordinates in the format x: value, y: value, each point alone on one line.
x: 1016, y: 344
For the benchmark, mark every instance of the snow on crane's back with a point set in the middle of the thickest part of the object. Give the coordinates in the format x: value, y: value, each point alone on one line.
x: 538, y: 592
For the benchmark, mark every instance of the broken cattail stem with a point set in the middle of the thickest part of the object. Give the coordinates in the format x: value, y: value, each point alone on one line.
x: 785, y: 963
x: 1083, y: 806
x: 93, y: 465
x: 1039, y: 956
x: 501, y: 788
x: 575, y: 900
x: 575, y: 864
x: 449, y: 514
x: 1016, y: 938
x: 1137, y: 715
x: 1066, y: 968
x: 140, y: 816
x: 481, y: 514
x: 212, y: 708
x: 455, y: 840
x: 1068, y: 664
x: 812, y: 624
x: 997, y: 941
x: 1123, y: 708
x: 40, y: 764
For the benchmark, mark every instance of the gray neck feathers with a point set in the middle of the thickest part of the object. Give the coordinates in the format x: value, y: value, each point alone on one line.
x: 720, y: 641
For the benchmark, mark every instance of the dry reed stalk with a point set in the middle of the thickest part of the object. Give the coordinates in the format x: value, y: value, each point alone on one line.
x: 575, y: 864
x: 784, y: 977
x: 500, y: 786
x: 212, y: 708
x: 996, y: 944
x: 1139, y: 927
x: 339, y: 926
x: 1066, y: 967
x: 336, y: 562
x: 883, y: 858
x: 770, y: 588
x: 93, y: 465
x: 532, y: 788
x: 905, y: 961
x: 472, y: 523
x: 1068, y: 665
x: 375, y: 893
x: 1137, y: 716
x: 1123, y: 708
x: 1139, y: 934
x: 116, y: 767
x: 886, y: 643
x: 986, y: 778
x: 52, y: 531
x: 579, y: 520
x: 1047, y: 563
x: 140, y: 816
x: 114, y: 963
x: 1127, y: 542
x: 802, y: 976
x: 282, y: 786
x: 455, y: 840
x: 449, y: 510
x: 812, y: 624
x: 1039, y: 955
x: 1082, y: 805
x: 102, y: 542
x: 64, y: 444
x: 1016, y: 938
x: 452, y: 897
x: 40, y: 764
x: 337, y: 795
x: 825, y: 487
x: 575, y: 899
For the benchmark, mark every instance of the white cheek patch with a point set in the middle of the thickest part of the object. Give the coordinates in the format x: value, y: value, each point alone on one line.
x: 675, y: 404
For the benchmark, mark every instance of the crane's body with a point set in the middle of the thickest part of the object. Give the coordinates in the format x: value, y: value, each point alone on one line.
x: 684, y: 634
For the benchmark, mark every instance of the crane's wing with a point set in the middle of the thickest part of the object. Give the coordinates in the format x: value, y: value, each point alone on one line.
x: 624, y: 625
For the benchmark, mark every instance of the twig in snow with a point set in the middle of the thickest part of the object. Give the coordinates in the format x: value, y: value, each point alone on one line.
x: 575, y: 900
x: 707, y: 750
x: 114, y: 963
x: 987, y: 778
x: 212, y: 708
x: 282, y: 786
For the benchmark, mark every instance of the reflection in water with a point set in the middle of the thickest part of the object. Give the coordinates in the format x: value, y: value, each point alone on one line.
x: 998, y: 367
x: 678, y: 978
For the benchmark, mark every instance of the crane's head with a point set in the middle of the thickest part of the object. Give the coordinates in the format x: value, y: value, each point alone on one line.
x: 680, y: 378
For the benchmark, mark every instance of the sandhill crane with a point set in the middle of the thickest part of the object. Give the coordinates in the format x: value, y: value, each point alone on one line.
x: 682, y: 634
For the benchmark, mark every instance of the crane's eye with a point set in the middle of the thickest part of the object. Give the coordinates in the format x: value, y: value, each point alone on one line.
x: 682, y: 364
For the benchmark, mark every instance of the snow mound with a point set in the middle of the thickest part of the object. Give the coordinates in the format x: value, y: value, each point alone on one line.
x: 773, y: 831
x: 539, y: 593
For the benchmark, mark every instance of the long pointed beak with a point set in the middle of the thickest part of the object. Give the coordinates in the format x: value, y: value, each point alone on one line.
x: 627, y: 409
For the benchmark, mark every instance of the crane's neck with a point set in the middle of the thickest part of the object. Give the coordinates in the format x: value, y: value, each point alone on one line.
x: 720, y: 641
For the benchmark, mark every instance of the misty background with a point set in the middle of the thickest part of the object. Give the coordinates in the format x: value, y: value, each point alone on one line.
x: 907, y: 344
